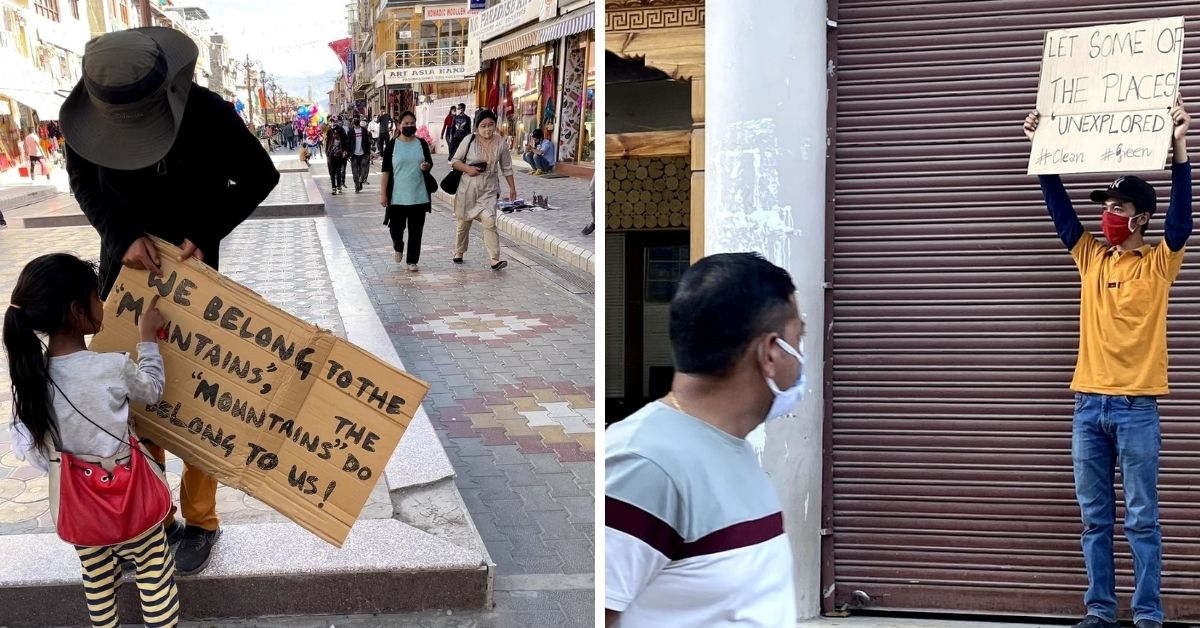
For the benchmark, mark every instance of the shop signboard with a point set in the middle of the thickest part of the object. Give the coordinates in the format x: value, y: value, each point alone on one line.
x: 478, y: 5
x: 549, y: 9
x: 424, y: 74
x: 473, y: 52
x: 448, y: 13
x: 508, y: 15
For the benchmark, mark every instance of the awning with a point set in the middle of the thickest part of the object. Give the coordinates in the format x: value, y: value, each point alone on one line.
x: 550, y: 30
x: 44, y: 103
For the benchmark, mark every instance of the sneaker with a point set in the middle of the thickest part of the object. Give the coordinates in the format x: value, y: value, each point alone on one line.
x: 589, y: 229
x: 412, y: 268
x: 195, y: 550
x: 1147, y: 623
x: 399, y: 256
x: 175, y: 532
x: 1091, y: 621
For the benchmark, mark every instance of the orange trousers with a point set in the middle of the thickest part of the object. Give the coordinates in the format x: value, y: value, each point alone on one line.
x: 197, y: 494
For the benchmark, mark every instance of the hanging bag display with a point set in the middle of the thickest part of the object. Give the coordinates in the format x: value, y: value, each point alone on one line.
x: 99, y: 501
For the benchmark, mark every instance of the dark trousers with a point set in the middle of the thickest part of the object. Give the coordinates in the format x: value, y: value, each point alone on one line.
x: 337, y: 171
x: 34, y: 162
x: 360, y: 164
x: 411, y: 217
x: 454, y: 142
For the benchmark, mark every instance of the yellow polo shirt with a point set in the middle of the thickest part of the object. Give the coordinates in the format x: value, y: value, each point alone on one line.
x: 1123, y: 317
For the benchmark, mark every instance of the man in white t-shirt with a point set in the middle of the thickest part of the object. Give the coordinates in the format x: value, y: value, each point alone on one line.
x: 693, y: 531
x: 33, y: 150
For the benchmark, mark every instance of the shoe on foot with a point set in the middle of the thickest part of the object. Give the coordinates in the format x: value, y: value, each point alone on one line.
x: 500, y: 264
x: 399, y: 256
x: 1092, y: 621
x: 174, y: 532
x: 412, y: 268
x: 1147, y: 623
x: 457, y: 260
x: 195, y: 550
x: 535, y: 172
x: 589, y: 229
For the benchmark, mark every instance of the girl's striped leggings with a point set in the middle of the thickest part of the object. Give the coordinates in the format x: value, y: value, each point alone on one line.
x: 155, y: 580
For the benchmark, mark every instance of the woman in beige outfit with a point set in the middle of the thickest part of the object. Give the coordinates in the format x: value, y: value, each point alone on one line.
x: 481, y: 158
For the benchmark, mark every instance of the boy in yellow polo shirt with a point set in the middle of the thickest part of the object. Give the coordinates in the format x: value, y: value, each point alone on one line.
x: 1121, y: 371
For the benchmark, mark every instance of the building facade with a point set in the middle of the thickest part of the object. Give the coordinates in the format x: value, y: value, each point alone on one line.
x: 534, y: 64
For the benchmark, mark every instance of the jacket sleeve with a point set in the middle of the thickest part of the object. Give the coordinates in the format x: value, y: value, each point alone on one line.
x: 110, y: 219
x: 1066, y: 221
x: 251, y: 171
x: 1178, y: 225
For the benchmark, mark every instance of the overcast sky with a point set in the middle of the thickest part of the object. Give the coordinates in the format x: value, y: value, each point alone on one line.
x: 290, y: 37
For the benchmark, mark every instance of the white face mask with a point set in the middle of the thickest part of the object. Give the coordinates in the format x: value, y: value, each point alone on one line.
x: 785, y: 400
x: 487, y: 132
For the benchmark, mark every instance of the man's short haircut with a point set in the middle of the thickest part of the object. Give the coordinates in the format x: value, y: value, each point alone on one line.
x: 462, y: 106
x: 723, y: 303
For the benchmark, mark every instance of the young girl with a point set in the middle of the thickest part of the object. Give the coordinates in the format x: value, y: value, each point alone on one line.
x: 58, y: 295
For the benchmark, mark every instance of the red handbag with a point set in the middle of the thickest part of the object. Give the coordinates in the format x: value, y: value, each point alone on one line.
x: 97, y: 501
x: 107, y: 501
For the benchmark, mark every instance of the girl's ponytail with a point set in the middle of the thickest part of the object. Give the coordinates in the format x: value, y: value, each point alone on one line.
x: 27, y: 370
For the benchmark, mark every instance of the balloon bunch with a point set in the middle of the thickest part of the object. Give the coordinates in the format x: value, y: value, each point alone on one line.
x: 309, y: 115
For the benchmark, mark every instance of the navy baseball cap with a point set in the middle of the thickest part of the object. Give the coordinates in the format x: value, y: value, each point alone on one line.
x: 1132, y: 189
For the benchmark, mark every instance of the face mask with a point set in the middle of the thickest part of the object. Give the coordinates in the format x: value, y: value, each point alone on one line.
x: 785, y: 400
x: 487, y: 132
x: 1117, y: 228
x: 408, y: 131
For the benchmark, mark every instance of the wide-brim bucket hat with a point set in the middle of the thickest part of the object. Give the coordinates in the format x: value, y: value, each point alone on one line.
x: 126, y: 110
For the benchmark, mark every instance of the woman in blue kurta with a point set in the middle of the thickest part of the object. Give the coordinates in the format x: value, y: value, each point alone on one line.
x: 405, y: 196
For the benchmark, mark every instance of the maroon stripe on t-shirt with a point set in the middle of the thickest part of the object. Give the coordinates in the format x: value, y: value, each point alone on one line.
x: 642, y: 525
x: 736, y: 536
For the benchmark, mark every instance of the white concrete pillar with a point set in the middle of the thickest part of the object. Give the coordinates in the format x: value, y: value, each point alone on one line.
x: 765, y: 69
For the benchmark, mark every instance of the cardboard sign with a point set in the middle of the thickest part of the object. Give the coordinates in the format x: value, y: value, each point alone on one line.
x: 1105, y: 97
x: 261, y: 400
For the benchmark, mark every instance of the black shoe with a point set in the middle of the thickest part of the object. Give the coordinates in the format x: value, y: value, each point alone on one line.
x: 1091, y: 621
x: 1147, y: 623
x: 175, y: 532
x: 195, y: 550
x: 500, y: 264
x: 589, y: 229
x: 457, y: 260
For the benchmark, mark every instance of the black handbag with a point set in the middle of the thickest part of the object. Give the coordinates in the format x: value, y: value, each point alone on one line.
x: 450, y: 182
x: 431, y: 184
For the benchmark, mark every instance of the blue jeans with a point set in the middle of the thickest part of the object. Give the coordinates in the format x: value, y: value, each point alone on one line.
x: 1106, y: 430
x: 537, y: 162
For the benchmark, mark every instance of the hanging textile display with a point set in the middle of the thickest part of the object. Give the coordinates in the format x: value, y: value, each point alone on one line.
x: 574, y: 83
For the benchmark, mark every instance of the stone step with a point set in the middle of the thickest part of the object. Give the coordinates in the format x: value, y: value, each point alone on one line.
x: 13, y: 197
x: 261, y: 570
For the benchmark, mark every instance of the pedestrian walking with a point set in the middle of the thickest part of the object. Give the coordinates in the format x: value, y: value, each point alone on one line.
x: 460, y: 129
x: 376, y: 147
x: 123, y: 183
x: 447, y: 135
x: 404, y: 194
x: 591, y: 226
x: 360, y: 153
x: 335, y: 142
x: 69, y: 399
x: 1121, y: 371
x: 33, y: 151
x: 539, y: 154
x: 385, y: 130
x: 482, y: 159
x: 289, y: 136
x: 693, y: 529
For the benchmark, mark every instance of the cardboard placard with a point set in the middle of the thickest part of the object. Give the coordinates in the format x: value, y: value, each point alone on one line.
x: 261, y: 400
x: 1105, y: 97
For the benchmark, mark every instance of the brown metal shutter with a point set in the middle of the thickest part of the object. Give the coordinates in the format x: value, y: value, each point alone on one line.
x: 955, y: 321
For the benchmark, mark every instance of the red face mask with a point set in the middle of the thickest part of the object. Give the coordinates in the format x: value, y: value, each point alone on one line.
x: 1116, y: 227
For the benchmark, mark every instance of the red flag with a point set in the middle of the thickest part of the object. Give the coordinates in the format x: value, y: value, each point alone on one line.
x: 262, y: 98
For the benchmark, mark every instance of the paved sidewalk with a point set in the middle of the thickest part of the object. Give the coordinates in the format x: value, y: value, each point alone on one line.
x: 510, y: 359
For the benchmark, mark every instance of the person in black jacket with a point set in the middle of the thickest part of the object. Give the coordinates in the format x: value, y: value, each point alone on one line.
x: 336, y: 154
x: 139, y: 163
x: 405, y: 185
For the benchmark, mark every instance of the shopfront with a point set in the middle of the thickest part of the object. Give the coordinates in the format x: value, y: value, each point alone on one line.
x: 537, y: 71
